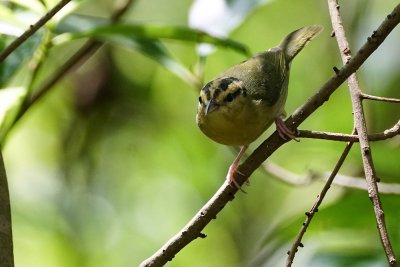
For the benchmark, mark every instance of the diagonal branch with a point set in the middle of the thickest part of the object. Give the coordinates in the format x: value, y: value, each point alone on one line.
x: 360, y: 126
x: 209, y: 211
x: 310, y: 214
x: 32, y: 29
x: 388, y: 133
x: 292, y: 178
x: 360, y: 183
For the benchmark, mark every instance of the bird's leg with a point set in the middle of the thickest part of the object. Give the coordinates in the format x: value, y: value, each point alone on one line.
x: 284, y: 132
x: 230, y: 178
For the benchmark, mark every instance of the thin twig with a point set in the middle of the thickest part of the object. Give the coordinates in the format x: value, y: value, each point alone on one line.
x: 360, y: 183
x: 360, y: 126
x: 310, y: 214
x: 287, y: 176
x: 292, y: 178
x: 6, y: 241
x: 388, y: 133
x: 209, y: 211
x: 33, y: 28
x: 380, y: 98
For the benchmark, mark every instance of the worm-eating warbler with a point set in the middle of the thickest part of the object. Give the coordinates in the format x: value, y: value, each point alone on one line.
x: 237, y: 106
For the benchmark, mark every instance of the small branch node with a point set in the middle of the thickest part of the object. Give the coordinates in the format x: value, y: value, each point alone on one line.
x: 201, y: 235
x: 336, y: 70
x: 375, y: 34
x: 347, y: 51
x: 366, y: 150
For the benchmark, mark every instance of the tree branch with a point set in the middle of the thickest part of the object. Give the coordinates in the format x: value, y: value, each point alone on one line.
x: 380, y: 98
x: 388, y: 133
x: 309, y: 215
x: 360, y: 126
x: 6, y: 241
x: 209, y: 211
x: 360, y: 183
x: 287, y: 176
x: 33, y: 28
x: 292, y: 178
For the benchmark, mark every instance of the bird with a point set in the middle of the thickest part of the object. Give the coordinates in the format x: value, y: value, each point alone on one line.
x: 239, y: 104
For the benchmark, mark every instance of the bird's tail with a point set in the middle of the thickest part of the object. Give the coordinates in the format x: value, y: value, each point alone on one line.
x: 295, y: 41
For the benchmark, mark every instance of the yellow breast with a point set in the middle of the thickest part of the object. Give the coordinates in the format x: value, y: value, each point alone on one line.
x: 238, y: 125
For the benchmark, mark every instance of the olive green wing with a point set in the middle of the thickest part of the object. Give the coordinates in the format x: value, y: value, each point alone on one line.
x: 264, y: 75
x: 274, y: 75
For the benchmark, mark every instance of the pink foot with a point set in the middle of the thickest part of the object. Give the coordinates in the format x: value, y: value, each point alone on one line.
x: 230, y: 177
x: 284, y: 132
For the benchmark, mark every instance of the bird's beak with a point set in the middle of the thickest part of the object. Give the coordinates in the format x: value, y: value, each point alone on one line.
x: 211, y: 106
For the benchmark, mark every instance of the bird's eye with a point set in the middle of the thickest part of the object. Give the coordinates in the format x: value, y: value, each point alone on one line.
x: 228, y: 98
x: 200, y: 100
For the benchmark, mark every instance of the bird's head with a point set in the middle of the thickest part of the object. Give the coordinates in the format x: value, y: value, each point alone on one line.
x: 224, y: 93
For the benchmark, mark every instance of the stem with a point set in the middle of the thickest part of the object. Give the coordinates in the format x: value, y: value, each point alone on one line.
x: 380, y: 98
x: 360, y: 126
x: 292, y: 178
x: 297, y: 243
x: 6, y: 241
x: 388, y: 133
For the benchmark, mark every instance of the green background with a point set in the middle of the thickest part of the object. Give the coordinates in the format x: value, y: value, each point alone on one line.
x: 110, y: 163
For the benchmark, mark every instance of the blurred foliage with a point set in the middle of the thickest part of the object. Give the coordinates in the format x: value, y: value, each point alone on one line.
x: 110, y: 163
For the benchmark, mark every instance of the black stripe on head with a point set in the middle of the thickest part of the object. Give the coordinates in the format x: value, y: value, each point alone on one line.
x: 237, y: 92
x: 225, y: 82
x: 217, y: 92
x: 231, y: 96
x: 206, y: 90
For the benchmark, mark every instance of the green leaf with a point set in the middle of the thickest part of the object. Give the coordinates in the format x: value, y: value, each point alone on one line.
x: 157, y: 51
x: 153, y: 32
x: 79, y: 23
x: 143, y: 37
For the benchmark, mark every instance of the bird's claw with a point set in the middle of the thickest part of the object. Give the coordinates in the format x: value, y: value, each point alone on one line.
x: 284, y: 132
x: 230, y: 178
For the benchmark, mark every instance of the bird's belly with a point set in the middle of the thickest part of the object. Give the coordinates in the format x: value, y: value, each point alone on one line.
x: 237, y: 128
